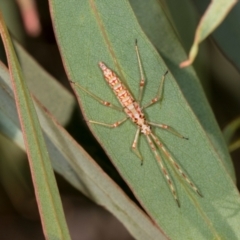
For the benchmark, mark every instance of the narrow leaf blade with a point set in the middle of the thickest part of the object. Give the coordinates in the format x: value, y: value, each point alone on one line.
x: 50, y: 207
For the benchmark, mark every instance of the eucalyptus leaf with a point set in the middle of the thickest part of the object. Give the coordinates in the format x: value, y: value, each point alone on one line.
x: 50, y: 207
x: 227, y: 34
x: 106, y: 31
x: 159, y: 30
x: 212, y: 18
x: 45, y: 88
x: 72, y: 162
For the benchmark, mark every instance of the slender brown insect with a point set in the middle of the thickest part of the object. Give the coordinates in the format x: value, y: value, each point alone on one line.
x: 134, y: 111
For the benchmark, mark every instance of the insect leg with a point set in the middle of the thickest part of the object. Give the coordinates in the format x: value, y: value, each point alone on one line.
x: 168, y: 128
x: 142, y: 80
x: 113, y: 125
x: 164, y: 170
x: 159, y: 93
x: 105, y: 103
x: 135, y: 146
x: 177, y: 167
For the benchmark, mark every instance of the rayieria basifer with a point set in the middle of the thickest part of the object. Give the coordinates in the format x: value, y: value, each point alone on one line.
x: 134, y: 112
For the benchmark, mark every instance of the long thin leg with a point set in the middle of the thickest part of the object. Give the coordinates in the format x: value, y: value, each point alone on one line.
x: 142, y: 81
x: 159, y: 93
x: 177, y: 167
x: 135, y: 146
x: 105, y: 103
x: 113, y: 125
x: 168, y: 128
x: 164, y: 170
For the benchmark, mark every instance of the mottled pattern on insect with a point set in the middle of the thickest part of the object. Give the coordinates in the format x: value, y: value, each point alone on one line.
x: 131, y: 107
x: 134, y: 112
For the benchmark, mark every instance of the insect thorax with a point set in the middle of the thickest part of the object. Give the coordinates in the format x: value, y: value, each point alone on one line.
x: 145, y: 129
x: 134, y: 111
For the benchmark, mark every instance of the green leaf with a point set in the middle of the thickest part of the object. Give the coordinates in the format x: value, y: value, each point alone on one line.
x: 228, y: 133
x: 73, y: 163
x: 45, y: 88
x: 227, y: 35
x: 50, y: 207
x: 172, y: 53
x: 212, y: 18
x: 94, y: 31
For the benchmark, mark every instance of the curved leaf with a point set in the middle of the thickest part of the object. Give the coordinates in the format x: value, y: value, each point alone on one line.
x: 226, y: 35
x: 213, y: 16
x: 228, y: 133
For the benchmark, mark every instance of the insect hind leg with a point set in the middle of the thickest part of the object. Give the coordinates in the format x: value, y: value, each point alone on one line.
x: 110, y: 125
x: 175, y: 165
x: 167, y: 128
x: 164, y: 170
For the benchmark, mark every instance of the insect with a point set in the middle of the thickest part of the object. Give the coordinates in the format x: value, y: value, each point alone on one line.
x: 134, y: 112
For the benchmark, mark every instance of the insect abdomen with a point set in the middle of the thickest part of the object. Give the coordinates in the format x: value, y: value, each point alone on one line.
x: 123, y: 95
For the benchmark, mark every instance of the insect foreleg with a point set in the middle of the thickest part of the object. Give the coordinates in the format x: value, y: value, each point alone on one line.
x: 142, y: 80
x: 113, y: 125
x: 105, y: 103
